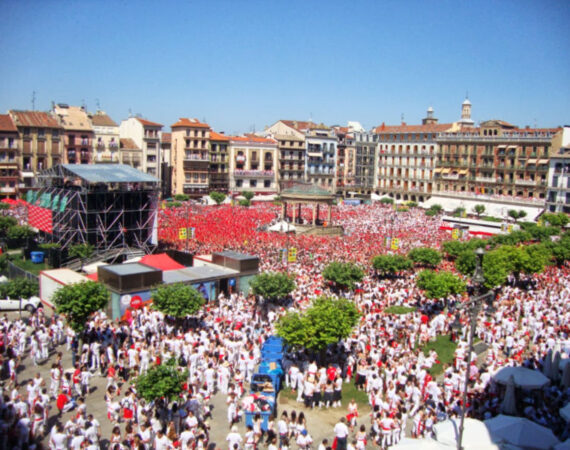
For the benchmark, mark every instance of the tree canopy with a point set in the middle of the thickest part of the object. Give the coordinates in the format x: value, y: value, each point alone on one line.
x: 79, y: 300
x: 479, y: 209
x: 516, y: 215
x: 556, y: 219
x: 177, y: 300
x: 466, y: 262
x: 218, y: 197
x: 425, y: 256
x: 19, y: 288
x: 440, y: 284
x: 248, y: 195
x: 326, y: 322
x: 344, y: 275
x: 453, y: 248
x: 272, y: 286
x: 161, y: 381
x: 385, y: 264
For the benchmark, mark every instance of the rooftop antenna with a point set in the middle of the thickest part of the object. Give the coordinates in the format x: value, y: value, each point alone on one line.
x: 83, y: 104
x: 33, y: 100
x: 402, y: 117
x: 97, y: 104
x: 130, y: 112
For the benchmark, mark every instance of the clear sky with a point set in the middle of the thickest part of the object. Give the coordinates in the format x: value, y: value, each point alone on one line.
x: 242, y: 64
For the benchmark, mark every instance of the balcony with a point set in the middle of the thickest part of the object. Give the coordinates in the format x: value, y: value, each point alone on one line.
x: 485, y: 179
x: 197, y: 165
x: 525, y: 182
x: 254, y: 173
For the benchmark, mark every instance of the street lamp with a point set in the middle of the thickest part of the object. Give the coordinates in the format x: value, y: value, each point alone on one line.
x: 473, y: 306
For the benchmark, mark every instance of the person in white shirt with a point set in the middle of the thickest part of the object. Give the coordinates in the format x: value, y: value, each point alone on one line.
x: 341, y: 434
x: 234, y: 438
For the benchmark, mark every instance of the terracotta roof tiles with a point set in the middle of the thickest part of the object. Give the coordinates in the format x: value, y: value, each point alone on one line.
x: 128, y: 144
x: 148, y: 123
x: 429, y: 128
x: 191, y: 123
x: 37, y: 119
x: 166, y: 137
x: 253, y: 139
x: 218, y: 136
x: 7, y: 124
x: 102, y: 120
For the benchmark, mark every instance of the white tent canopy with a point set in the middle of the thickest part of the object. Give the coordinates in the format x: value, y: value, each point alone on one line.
x: 475, y: 434
x: 520, y: 431
x: 523, y: 377
x: 282, y: 227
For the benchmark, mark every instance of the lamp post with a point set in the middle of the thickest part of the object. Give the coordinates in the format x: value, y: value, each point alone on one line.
x: 473, y: 306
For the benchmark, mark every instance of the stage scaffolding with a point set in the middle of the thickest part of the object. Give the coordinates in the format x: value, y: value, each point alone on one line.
x: 109, y: 206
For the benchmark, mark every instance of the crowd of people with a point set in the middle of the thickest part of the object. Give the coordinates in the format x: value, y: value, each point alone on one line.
x: 383, y: 356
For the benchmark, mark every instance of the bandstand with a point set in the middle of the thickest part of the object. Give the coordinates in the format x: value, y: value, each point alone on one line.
x: 298, y: 194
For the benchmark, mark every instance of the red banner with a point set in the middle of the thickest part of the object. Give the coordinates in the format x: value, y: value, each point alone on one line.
x: 40, y: 218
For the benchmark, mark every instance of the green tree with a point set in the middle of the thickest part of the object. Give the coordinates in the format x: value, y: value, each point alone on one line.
x: 440, y: 284
x: 244, y: 202
x: 516, y: 215
x: 344, y: 275
x: 272, y: 286
x: 496, y: 267
x: 387, y: 200
x: 556, y: 219
x: 177, y: 300
x: 81, y: 252
x: 326, y: 322
x: 248, y: 195
x: 459, y: 211
x: 436, y: 207
x: 6, y: 222
x: 385, y: 264
x: 425, y: 256
x: 162, y: 381
x: 560, y: 249
x: 182, y: 197
x: 20, y: 232
x: 466, y: 262
x: 4, y: 207
x: 19, y: 288
x: 453, y: 248
x: 78, y: 301
x: 479, y: 209
x: 218, y: 197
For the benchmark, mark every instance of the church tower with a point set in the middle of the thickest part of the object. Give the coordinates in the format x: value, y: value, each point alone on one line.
x: 429, y: 119
x: 466, y: 114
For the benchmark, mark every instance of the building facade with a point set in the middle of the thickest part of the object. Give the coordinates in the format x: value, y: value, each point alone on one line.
x: 345, y: 160
x: 320, y: 159
x: 129, y: 153
x: 365, y: 163
x: 219, y: 162
x: 253, y: 164
x: 407, y: 158
x: 190, y: 157
x: 106, y: 141
x: 40, y: 144
x: 558, y: 196
x: 78, y: 133
x: 496, y: 158
x: 9, y: 157
x: 146, y: 135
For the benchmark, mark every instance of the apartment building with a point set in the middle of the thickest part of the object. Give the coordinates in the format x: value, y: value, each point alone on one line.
x: 41, y: 141
x: 291, y: 150
x: 407, y: 158
x: 219, y: 162
x: 496, y: 158
x: 365, y: 164
x: 146, y: 135
x: 165, y: 167
x: 129, y: 153
x: 78, y: 133
x: 558, y: 196
x: 190, y: 157
x: 106, y: 141
x: 9, y: 158
x: 253, y: 164
x: 320, y: 159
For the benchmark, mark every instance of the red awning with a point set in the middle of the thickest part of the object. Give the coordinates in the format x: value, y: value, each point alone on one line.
x: 93, y: 276
x: 443, y: 227
x: 482, y: 233
x: 161, y: 261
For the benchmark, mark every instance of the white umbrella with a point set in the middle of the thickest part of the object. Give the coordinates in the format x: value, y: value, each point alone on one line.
x: 565, y: 412
x: 282, y: 227
x: 475, y: 434
x: 509, y: 405
x: 547, y: 365
x: 556, y: 366
x: 520, y: 431
x: 524, y: 378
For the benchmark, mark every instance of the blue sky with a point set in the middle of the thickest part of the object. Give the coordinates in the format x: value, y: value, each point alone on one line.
x: 240, y: 64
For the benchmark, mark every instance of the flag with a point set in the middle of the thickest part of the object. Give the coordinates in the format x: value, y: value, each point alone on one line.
x: 455, y: 234
x: 182, y: 234
x: 395, y: 244
x: 292, y: 257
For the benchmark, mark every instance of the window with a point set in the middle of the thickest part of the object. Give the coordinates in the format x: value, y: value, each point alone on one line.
x: 267, y: 184
x: 253, y: 183
x: 239, y: 183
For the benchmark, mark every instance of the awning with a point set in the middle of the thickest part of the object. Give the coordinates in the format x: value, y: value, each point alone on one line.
x: 501, y: 146
x: 531, y: 161
x: 543, y: 161
x: 445, y: 171
x: 438, y: 170
x: 463, y: 172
